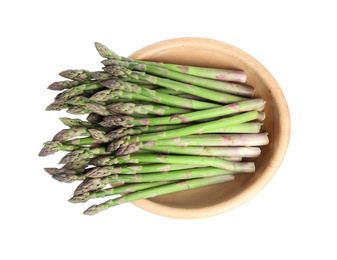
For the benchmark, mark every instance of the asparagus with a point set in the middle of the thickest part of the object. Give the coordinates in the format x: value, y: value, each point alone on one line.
x: 61, y: 85
x: 161, y: 190
x: 75, y: 91
x: 207, y: 151
x: 123, y: 131
x: 129, y: 188
x: 189, y: 130
x: 175, y: 159
x: 52, y: 147
x: 126, y: 146
x: 83, y: 153
x: 75, y: 122
x: 78, y: 75
x: 212, y: 73
x: 92, y: 184
x: 94, y: 118
x: 233, y: 88
x: 213, y: 95
x: 99, y: 172
x: 130, y: 108
x: 68, y: 178
x: 242, y: 106
x: 118, y: 88
x: 199, y: 145
x: 55, y: 171
x: 77, y: 165
x: 258, y: 139
x: 100, y: 135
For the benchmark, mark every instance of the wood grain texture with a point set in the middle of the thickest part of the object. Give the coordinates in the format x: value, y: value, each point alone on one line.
x: 217, y: 199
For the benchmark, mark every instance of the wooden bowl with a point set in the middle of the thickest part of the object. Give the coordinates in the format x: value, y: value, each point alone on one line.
x: 220, y: 198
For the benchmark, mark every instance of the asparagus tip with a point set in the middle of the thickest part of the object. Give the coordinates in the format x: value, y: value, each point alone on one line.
x: 49, y: 148
x: 51, y: 171
x: 93, y: 210
x: 89, y: 185
x: 79, y: 199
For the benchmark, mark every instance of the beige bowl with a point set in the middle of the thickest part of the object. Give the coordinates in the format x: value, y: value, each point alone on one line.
x: 217, y: 199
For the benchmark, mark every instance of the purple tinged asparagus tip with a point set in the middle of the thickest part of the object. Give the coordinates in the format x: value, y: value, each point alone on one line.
x: 118, y: 143
x: 80, y: 198
x: 66, y: 178
x: 118, y: 121
x: 49, y: 148
x: 51, y: 171
x: 93, y: 210
x: 131, y: 148
x: 89, y: 185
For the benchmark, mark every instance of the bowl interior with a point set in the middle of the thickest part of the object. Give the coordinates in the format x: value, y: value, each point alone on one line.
x: 216, y: 199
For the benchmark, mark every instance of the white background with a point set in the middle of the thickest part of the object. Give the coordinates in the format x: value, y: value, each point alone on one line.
x: 294, y: 217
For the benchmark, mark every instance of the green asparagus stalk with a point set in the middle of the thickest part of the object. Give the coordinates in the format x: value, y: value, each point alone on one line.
x: 123, y: 131
x: 213, y: 95
x: 130, y: 108
x: 242, y: 106
x: 128, y: 188
x: 232, y: 88
x: 129, y: 145
x: 157, y: 191
x: 122, y: 89
x: 100, y: 135
x: 189, y: 130
x: 175, y: 159
x: 92, y: 184
x: 99, y: 172
x: 258, y: 139
x: 212, y: 73
x: 207, y: 150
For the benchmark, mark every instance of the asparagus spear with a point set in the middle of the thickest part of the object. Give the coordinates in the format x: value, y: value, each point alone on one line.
x: 207, y: 150
x: 175, y: 159
x: 213, y: 95
x: 100, y: 135
x: 233, y: 88
x: 99, y: 172
x: 128, y: 188
x: 161, y: 190
x: 212, y: 73
x: 130, y: 108
x: 61, y: 85
x: 123, y: 131
x: 92, y: 184
x: 121, y: 89
x: 258, y: 139
x: 75, y: 91
x: 242, y: 106
x: 75, y: 122
x: 78, y: 75
x: 194, y: 129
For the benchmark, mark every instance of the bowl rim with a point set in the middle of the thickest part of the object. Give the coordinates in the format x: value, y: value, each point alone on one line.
x: 278, y: 155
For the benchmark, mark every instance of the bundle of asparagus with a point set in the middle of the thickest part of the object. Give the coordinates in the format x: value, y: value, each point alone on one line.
x: 153, y: 128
